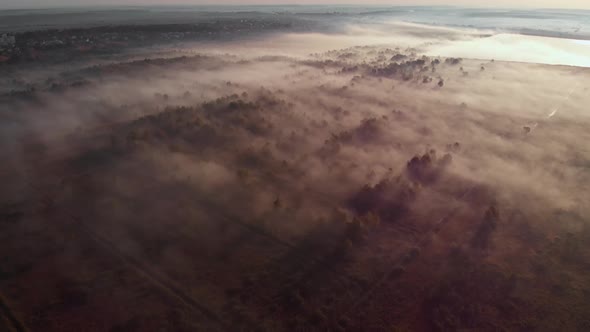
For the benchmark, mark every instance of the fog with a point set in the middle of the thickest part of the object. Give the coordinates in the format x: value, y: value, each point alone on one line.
x: 331, y: 89
x: 288, y: 133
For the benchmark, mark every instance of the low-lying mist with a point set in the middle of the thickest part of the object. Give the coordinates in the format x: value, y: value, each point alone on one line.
x: 385, y: 140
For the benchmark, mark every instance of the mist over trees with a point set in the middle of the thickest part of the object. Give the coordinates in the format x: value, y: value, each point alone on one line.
x: 367, y: 188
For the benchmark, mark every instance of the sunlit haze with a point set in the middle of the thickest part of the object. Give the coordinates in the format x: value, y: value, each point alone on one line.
x: 582, y: 4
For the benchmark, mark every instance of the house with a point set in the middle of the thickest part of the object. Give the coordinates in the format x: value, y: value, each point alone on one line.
x: 7, y: 40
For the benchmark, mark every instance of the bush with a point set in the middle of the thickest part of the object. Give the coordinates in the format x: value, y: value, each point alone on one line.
x: 388, y: 200
x: 482, y: 236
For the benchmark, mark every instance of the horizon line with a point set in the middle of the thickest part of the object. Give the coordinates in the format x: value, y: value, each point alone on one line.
x: 254, y: 5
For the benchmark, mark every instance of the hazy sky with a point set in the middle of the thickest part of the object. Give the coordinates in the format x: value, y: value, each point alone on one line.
x: 471, y: 3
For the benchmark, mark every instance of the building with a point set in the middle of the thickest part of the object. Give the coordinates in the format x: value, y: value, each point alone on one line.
x: 7, y: 41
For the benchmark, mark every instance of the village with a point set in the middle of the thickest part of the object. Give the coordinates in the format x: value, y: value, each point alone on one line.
x: 57, y: 45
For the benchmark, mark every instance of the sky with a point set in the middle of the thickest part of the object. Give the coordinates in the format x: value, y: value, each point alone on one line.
x: 582, y: 4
